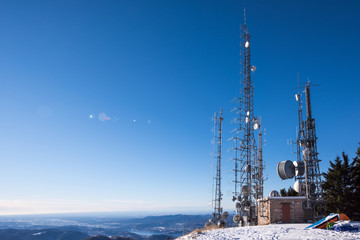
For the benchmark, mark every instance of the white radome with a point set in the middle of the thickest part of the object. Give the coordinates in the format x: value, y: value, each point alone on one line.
x: 297, y: 185
x: 306, y: 152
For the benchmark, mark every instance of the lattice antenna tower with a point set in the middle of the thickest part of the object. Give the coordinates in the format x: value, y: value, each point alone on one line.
x: 260, y: 164
x: 310, y: 155
x: 247, y: 170
x: 300, y: 147
x: 218, y: 157
x: 307, y: 170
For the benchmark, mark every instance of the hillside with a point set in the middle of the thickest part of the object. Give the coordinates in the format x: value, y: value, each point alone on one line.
x: 274, y: 231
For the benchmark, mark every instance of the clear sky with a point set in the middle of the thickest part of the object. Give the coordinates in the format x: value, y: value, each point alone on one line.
x: 108, y: 105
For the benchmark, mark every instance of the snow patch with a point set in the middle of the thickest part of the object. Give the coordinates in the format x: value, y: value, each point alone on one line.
x: 273, y: 231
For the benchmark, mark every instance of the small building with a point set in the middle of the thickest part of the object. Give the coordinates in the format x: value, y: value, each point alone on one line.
x: 283, y: 210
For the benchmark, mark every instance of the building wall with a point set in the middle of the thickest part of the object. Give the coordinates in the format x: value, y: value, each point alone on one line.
x: 264, y: 213
x: 272, y: 212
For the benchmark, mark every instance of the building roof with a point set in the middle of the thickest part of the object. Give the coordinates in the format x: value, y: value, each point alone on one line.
x: 283, y: 198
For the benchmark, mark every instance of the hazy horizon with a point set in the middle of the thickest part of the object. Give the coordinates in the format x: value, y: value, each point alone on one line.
x: 108, y: 105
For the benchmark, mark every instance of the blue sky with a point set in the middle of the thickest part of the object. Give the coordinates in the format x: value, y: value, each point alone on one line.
x: 155, y: 72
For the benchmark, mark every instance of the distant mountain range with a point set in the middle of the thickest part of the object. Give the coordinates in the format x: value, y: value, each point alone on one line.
x: 43, y: 234
x: 99, y: 228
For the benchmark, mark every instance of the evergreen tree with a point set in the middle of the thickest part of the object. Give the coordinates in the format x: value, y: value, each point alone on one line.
x: 290, y: 192
x: 355, y: 176
x: 283, y: 192
x: 338, y: 186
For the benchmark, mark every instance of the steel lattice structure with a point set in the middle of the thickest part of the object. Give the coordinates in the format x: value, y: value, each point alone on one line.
x: 310, y: 183
x: 248, y: 161
x: 217, y: 214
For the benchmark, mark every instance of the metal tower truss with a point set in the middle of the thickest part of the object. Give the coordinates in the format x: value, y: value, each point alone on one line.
x: 248, y: 161
x: 218, y: 217
x: 308, y: 185
x: 218, y: 157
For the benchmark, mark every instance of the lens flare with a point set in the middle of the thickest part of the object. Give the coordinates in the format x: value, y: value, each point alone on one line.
x: 103, y: 117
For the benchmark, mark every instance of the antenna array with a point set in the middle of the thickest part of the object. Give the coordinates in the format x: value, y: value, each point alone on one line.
x: 248, y: 160
x: 218, y: 157
x: 305, y: 169
x: 218, y: 216
x: 310, y: 183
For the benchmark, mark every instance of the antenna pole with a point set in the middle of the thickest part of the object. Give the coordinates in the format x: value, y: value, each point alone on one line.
x: 248, y: 158
x: 310, y: 184
x: 244, y: 16
x: 313, y: 168
x: 218, y: 128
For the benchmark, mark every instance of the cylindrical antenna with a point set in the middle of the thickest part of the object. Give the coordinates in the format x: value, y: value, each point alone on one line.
x: 308, y: 103
x: 244, y: 17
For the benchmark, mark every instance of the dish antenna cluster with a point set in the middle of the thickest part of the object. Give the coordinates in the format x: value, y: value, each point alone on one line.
x: 305, y: 169
x: 274, y: 193
x: 249, y: 166
x: 288, y: 169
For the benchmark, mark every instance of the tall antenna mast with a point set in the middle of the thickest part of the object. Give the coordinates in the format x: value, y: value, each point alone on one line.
x: 260, y: 163
x: 306, y: 169
x: 244, y: 16
x: 248, y: 172
x: 312, y: 161
x: 218, y: 155
x: 218, y: 216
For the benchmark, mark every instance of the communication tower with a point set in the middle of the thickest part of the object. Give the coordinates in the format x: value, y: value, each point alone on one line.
x: 310, y: 184
x: 248, y: 160
x: 218, y: 216
x: 305, y: 169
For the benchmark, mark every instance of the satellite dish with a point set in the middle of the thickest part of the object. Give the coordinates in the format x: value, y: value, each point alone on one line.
x: 299, y: 168
x: 247, y: 44
x: 248, y: 113
x: 253, y: 68
x: 221, y: 224
x: 306, y: 152
x: 225, y: 215
x: 245, y: 189
x: 209, y: 224
x: 297, y: 186
x: 239, y: 198
x: 237, y: 218
x: 248, y: 168
x: 286, y: 169
x: 237, y: 205
x: 256, y: 126
x: 274, y: 193
x: 246, y: 204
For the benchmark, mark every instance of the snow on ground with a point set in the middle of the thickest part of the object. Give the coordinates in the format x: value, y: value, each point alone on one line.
x: 273, y: 231
x: 36, y: 234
